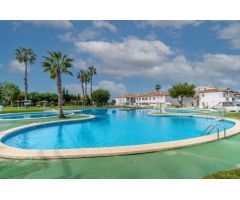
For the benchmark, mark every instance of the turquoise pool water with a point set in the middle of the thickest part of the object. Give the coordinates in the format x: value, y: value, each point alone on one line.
x: 111, y: 128
x: 181, y: 110
x: 28, y: 115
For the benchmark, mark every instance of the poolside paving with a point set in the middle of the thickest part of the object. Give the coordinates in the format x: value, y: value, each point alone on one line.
x: 190, y: 162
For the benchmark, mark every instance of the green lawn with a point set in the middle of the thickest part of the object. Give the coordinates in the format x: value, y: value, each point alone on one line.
x: 191, y: 162
x: 18, y: 110
x: 227, y: 174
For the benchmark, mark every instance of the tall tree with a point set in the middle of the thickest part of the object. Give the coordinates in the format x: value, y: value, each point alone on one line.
x: 182, y: 90
x: 8, y: 92
x: 57, y: 64
x: 81, y: 77
x: 92, y: 71
x: 84, y: 77
x: 25, y: 56
x: 101, y: 97
x: 158, y: 87
x: 87, y: 80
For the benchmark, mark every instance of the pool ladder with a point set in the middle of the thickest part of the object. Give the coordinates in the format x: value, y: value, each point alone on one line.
x: 212, y: 127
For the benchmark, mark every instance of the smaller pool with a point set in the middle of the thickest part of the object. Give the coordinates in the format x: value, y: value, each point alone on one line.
x: 29, y: 115
x: 171, y: 110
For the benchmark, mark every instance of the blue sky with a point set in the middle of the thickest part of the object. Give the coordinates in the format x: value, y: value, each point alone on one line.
x: 130, y: 56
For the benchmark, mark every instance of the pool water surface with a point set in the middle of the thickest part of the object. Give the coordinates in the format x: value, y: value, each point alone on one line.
x: 111, y: 128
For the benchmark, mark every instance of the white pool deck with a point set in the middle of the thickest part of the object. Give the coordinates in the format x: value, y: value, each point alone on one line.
x: 16, y: 153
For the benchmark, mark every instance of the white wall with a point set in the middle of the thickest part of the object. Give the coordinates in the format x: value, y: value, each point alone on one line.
x: 150, y: 100
x: 121, y: 101
x: 209, y: 100
x: 187, y: 101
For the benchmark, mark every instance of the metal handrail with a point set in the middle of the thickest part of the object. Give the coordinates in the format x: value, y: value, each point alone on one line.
x: 224, y: 128
x: 213, y: 126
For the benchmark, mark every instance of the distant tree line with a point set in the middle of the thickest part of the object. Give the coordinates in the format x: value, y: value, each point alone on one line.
x: 11, y: 95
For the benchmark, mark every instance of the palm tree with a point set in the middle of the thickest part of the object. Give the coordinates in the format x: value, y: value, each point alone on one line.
x: 87, y: 80
x: 81, y: 77
x: 92, y: 71
x: 25, y: 55
x: 58, y: 64
x: 158, y: 87
x: 84, y: 77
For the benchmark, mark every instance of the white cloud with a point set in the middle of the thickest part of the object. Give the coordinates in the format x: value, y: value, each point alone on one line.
x: 130, y: 52
x: 104, y: 24
x: 74, y: 88
x: 231, y: 33
x: 220, y: 69
x: 155, y: 60
x: 86, y: 34
x: 16, y: 67
x: 80, y: 63
x: 64, y: 24
x: 1, y: 65
x: 114, y: 88
x: 168, y: 23
x: 67, y: 37
x: 151, y: 36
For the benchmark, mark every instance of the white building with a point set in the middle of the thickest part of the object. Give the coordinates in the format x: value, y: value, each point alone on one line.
x: 213, y: 97
x: 128, y: 99
x: 205, y: 97
x: 152, y: 99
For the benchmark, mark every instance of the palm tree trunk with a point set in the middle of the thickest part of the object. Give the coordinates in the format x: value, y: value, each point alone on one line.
x: 91, y: 91
x: 59, y: 88
x: 25, y: 85
x: 86, y: 89
x: 83, y: 93
x: 91, y: 86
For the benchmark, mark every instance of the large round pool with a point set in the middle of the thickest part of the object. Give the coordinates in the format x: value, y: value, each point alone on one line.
x: 111, y: 128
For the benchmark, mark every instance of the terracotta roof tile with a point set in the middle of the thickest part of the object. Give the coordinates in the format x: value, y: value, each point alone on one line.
x: 154, y: 94
x: 215, y: 90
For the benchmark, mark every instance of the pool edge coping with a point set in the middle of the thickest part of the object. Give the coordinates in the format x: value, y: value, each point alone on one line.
x: 17, y: 153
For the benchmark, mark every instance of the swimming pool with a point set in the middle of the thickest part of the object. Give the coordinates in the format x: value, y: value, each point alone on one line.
x: 29, y: 115
x: 181, y: 110
x: 111, y: 128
